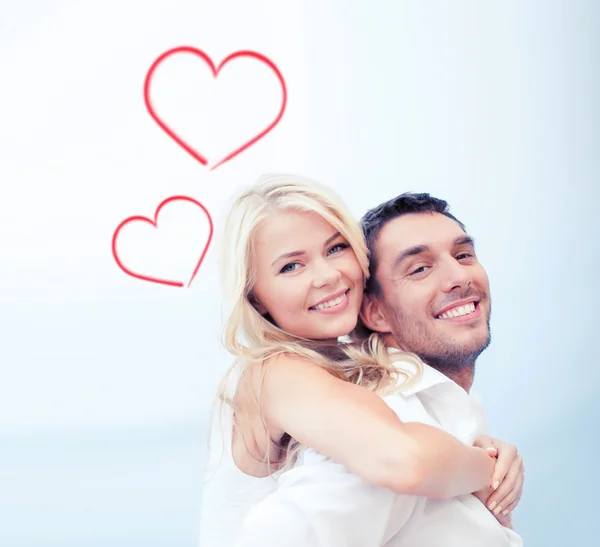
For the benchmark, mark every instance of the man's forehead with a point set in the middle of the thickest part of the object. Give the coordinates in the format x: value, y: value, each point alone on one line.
x: 414, y: 229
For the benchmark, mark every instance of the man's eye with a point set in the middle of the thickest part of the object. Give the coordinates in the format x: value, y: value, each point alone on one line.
x: 419, y: 270
x: 290, y: 267
x: 338, y: 247
x: 462, y: 256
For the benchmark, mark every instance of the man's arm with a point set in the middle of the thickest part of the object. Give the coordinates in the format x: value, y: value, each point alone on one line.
x: 325, y: 505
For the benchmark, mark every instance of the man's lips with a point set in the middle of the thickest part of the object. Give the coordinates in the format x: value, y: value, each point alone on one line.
x: 461, y: 312
x: 458, y: 304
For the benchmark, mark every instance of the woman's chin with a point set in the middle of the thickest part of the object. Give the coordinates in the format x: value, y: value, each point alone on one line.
x: 334, y: 328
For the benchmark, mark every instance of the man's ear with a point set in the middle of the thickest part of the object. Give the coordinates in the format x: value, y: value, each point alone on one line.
x: 373, y: 316
x: 257, y: 304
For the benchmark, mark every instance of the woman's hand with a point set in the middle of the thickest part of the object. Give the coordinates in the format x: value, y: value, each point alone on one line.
x: 504, y: 493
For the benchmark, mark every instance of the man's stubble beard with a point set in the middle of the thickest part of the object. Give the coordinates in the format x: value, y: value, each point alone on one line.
x: 439, y: 353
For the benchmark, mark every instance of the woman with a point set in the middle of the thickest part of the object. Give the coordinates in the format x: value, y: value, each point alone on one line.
x: 295, y: 264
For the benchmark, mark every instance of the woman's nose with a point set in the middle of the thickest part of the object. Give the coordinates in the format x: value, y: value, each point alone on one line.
x: 325, y: 274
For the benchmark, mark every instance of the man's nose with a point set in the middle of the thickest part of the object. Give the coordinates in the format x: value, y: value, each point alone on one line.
x: 455, y: 275
x: 324, y: 274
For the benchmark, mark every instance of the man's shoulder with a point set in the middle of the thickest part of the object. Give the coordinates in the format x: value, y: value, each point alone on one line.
x: 476, y: 398
x: 409, y: 408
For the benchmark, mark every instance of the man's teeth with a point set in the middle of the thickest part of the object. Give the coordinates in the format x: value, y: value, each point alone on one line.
x: 459, y: 311
x: 331, y: 303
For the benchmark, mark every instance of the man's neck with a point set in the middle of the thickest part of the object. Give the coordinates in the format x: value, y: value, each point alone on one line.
x: 462, y: 375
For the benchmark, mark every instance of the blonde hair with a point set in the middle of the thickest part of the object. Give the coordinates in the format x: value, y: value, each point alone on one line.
x: 252, y: 338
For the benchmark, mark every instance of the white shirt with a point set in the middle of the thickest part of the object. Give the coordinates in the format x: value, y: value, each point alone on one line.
x: 228, y: 493
x: 322, y: 504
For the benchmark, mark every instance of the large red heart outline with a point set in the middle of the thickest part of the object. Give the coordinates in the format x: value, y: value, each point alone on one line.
x: 154, y: 223
x: 215, y: 71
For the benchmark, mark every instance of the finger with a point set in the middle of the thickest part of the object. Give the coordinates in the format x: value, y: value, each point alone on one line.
x: 506, y: 456
x: 513, y: 495
x: 487, y: 443
x: 509, y: 488
x: 517, y: 489
x: 507, y: 485
x: 510, y: 508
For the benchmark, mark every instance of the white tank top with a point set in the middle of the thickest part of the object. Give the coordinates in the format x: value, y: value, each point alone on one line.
x: 228, y: 493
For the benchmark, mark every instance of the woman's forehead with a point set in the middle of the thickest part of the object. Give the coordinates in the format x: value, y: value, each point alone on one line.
x: 292, y: 231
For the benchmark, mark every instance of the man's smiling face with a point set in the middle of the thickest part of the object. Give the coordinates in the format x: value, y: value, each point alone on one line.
x: 434, y: 292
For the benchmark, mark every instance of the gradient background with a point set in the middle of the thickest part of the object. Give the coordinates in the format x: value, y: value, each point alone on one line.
x: 107, y: 381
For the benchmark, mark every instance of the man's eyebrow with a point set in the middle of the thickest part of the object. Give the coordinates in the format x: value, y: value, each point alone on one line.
x: 464, y: 240
x: 418, y: 249
x: 407, y: 253
x: 299, y: 253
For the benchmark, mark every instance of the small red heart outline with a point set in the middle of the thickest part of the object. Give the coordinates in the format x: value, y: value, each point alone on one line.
x: 215, y: 71
x: 139, y: 218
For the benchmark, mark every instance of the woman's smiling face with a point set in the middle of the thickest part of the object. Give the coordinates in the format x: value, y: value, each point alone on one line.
x: 308, y: 278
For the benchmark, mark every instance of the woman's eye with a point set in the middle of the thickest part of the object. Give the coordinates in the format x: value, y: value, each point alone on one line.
x: 289, y: 267
x: 338, y: 247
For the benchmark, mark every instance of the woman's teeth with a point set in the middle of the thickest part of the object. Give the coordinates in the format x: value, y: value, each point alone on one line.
x: 459, y: 311
x: 330, y: 303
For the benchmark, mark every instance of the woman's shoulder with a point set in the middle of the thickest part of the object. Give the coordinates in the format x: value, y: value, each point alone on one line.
x: 268, y: 384
x: 255, y: 437
x: 275, y: 371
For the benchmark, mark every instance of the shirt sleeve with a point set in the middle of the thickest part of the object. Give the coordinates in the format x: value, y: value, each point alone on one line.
x: 324, y: 505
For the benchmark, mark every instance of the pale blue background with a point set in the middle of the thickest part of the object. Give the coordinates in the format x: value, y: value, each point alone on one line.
x: 106, y: 381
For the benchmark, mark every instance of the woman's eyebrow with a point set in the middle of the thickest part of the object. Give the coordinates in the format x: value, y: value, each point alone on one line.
x: 332, y: 238
x: 299, y: 253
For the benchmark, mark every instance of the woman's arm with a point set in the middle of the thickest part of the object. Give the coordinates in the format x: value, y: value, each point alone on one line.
x: 354, y: 426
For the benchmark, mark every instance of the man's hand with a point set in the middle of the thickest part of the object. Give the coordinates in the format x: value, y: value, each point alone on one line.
x: 504, y: 493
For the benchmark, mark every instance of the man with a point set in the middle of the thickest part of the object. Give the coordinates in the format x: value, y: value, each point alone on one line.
x: 429, y: 295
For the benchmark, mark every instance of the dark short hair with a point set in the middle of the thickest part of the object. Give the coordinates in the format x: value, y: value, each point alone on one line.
x: 375, y: 219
